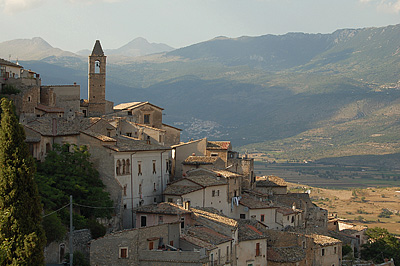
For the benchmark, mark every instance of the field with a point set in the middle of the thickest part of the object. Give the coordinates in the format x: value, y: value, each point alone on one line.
x: 357, y: 194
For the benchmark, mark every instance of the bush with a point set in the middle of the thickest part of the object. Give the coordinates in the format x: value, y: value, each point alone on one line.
x: 385, y: 213
x: 96, y: 229
x: 79, y: 259
x: 53, y: 228
x: 346, y: 249
x: 10, y: 89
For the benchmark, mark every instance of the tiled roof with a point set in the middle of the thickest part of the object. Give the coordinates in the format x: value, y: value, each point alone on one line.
x: 49, y: 109
x: 8, y: 63
x: 288, y: 211
x: 197, y: 241
x: 226, y: 173
x: 31, y: 135
x: 171, y: 127
x: 176, y: 189
x: 127, y: 144
x: 99, y: 136
x: 97, y: 50
x: 163, y: 208
x: 48, y: 126
x: 213, y: 215
x: 254, y: 203
x: 133, y: 105
x: 218, y: 145
x: 186, y: 143
x: 200, y: 160
x: 206, y: 179
x: 207, y: 234
x: 323, y: 240
x: 271, y: 181
x: 251, y: 230
x: 285, y: 254
x: 123, y: 106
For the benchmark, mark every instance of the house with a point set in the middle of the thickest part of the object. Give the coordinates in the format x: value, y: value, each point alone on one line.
x: 252, y: 245
x: 259, y: 209
x: 327, y: 250
x: 286, y: 216
x: 270, y: 185
x: 164, y: 212
x: 200, y: 188
x: 9, y: 70
x: 153, y: 245
x: 149, y: 117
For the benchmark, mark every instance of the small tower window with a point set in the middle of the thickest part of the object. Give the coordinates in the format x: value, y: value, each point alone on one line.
x: 97, y: 67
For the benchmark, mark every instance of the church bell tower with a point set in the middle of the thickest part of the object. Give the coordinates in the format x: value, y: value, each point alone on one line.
x: 97, y: 81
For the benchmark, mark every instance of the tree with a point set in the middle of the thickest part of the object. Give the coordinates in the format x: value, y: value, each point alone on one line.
x: 381, y: 245
x: 67, y: 171
x: 21, y: 233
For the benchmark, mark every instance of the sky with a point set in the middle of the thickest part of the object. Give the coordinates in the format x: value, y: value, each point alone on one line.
x: 73, y: 25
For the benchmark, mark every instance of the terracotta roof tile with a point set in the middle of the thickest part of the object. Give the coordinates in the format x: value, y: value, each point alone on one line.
x: 214, y: 215
x: 218, y: 145
x: 200, y: 160
x: 205, y: 179
x: 271, y: 181
x: 285, y: 254
x: 207, y: 234
x: 49, y: 109
x: 163, y: 208
x: 8, y: 63
x: 126, y: 144
x: 254, y: 203
x: 176, y: 189
x: 323, y: 240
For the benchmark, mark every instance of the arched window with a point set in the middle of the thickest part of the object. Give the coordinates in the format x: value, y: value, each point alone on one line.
x: 97, y: 67
x: 128, y: 166
x: 118, y: 168
x: 123, y: 166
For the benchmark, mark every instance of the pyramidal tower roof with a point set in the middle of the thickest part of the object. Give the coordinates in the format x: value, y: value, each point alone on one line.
x: 97, y: 50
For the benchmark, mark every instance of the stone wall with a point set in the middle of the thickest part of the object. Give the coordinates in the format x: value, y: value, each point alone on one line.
x: 54, y: 252
x: 172, y: 258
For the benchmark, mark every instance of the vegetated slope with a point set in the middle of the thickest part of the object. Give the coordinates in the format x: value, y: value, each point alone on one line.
x: 303, y: 94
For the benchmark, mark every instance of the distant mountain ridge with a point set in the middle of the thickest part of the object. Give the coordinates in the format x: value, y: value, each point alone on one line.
x: 296, y: 95
x: 38, y: 49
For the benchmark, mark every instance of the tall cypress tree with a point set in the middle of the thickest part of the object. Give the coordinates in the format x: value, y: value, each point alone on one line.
x: 21, y: 234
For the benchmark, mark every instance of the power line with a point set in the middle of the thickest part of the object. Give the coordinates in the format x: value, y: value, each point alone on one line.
x: 93, y: 207
x: 55, y: 211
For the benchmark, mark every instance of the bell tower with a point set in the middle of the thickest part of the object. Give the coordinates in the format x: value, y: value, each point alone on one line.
x: 97, y: 81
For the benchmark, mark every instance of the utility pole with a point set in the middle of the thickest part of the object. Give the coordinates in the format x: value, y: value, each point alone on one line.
x: 71, y: 230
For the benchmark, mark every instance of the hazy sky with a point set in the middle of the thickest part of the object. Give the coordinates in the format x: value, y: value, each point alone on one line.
x: 75, y: 24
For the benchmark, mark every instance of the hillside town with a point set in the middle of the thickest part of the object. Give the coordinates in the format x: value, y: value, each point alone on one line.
x: 175, y: 203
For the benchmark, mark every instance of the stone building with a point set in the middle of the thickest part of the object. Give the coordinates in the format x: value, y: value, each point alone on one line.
x: 153, y: 245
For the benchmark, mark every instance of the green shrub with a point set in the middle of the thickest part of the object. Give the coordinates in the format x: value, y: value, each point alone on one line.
x: 96, y: 229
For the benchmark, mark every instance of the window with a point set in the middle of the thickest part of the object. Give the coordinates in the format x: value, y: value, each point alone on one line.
x: 219, y: 256
x: 97, y: 67
x: 139, y: 168
x: 171, y: 243
x: 304, y: 244
x: 29, y: 98
x: 129, y: 134
x: 214, y: 154
x: 151, y: 245
x: 84, y: 113
x: 218, y: 193
x: 160, y: 219
x: 143, y: 221
x: 154, y: 167
x: 170, y: 200
x: 334, y: 250
x: 130, y: 112
x: 128, y: 166
x: 155, y: 188
x: 227, y: 253
x: 123, y: 253
x: 125, y: 190
x: 146, y: 119
x: 323, y: 252
x: 140, y: 189
x: 212, y: 259
x: 123, y: 167
x: 118, y: 168
x: 242, y: 216
x: 160, y: 138
x: 166, y: 166
x: 182, y: 222
x: 258, y: 253
x: 262, y: 217
x: 292, y: 219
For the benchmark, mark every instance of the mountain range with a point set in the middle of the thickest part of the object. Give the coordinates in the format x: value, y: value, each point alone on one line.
x: 298, y: 95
